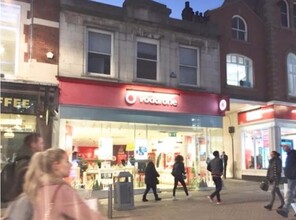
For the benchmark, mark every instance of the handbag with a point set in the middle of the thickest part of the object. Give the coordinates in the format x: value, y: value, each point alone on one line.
x: 264, y: 185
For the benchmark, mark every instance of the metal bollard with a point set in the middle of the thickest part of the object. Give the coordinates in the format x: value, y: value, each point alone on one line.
x: 110, y: 201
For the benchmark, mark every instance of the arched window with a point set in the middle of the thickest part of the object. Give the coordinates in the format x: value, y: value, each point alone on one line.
x: 239, y: 28
x: 291, y: 71
x: 239, y: 70
x: 284, y: 13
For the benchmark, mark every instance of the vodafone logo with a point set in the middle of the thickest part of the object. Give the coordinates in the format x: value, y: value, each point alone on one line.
x: 130, y: 98
x: 150, y: 98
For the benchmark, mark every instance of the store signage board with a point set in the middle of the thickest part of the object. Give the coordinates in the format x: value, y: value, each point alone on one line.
x: 18, y: 103
x: 140, y: 97
x: 150, y: 98
x: 141, y: 149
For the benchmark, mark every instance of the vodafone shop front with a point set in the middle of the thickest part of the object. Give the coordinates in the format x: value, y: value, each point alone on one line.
x: 111, y: 127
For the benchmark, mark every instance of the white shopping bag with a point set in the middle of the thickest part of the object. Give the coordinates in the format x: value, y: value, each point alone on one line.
x: 285, y: 189
x: 92, y: 204
x: 294, y: 206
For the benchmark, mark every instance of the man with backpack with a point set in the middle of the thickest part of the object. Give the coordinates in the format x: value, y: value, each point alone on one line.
x: 216, y: 168
x: 13, y: 174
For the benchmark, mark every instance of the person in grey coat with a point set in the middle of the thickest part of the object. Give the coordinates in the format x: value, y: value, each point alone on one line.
x: 216, y: 168
x: 274, y: 177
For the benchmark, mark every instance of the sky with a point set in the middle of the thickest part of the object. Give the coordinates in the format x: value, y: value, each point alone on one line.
x: 177, y: 5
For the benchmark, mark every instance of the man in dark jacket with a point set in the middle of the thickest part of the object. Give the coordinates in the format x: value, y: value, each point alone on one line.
x: 216, y: 168
x: 290, y: 173
x: 274, y: 172
x: 32, y: 143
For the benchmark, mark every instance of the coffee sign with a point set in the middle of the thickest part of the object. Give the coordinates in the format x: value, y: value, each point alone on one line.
x: 18, y: 103
x: 150, y: 98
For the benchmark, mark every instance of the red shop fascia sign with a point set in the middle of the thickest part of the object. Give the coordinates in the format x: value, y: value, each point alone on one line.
x: 82, y: 92
x: 267, y: 113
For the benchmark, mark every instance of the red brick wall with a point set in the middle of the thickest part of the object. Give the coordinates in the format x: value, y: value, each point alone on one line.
x: 252, y: 48
x: 45, y: 39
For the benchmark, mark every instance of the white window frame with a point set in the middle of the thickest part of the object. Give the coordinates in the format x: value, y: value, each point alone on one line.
x: 112, y: 74
x: 147, y: 41
x: 240, y: 30
x: 291, y: 91
x: 17, y: 29
x: 237, y: 63
x: 287, y: 15
x: 197, y: 67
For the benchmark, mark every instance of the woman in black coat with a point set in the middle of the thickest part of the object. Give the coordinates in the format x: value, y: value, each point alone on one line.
x: 151, y: 181
x: 274, y: 176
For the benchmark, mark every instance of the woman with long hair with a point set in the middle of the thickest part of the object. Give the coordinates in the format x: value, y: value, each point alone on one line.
x: 50, y: 195
x: 274, y: 176
x: 179, y: 175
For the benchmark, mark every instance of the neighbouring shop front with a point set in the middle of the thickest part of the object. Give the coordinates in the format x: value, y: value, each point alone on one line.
x: 25, y: 108
x: 262, y: 131
x: 113, y: 127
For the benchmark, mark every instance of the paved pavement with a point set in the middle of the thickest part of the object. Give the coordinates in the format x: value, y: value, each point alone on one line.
x: 241, y: 200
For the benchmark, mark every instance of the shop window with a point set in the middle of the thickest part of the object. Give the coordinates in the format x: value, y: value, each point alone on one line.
x: 239, y: 70
x: 239, y: 28
x: 257, y: 149
x: 9, y: 32
x: 288, y: 137
x: 188, y: 65
x: 99, y: 53
x: 284, y: 13
x: 147, y: 59
x: 291, y: 71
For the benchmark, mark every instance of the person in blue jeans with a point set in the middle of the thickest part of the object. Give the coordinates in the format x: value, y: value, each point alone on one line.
x: 216, y: 168
x: 179, y: 175
x: 290, y: 173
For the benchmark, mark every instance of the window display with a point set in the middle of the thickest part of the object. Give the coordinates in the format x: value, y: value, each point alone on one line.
x: 257, y: 148
x: 129, y: 146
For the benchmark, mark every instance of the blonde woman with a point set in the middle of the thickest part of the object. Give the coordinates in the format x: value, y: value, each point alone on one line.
x: 52, y: 198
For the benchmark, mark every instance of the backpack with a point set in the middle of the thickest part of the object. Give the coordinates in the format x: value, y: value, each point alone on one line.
x: 9, y: 178
x: 19, y: 209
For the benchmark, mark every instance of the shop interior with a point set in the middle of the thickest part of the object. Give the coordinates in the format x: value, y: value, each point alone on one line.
x: 101, y: 149
x: 13, y: 128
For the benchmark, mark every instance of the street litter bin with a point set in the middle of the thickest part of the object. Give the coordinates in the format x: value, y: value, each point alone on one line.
x: 123, y: 191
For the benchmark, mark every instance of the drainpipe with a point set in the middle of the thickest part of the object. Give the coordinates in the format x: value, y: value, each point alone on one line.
x: 31, y: 31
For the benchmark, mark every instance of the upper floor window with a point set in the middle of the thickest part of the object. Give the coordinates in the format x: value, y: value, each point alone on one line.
x: 147, y: 59
x: 284, y: 13
x: 239, y: 70
x: 291, y: 69
x: 188, y: 66
x: 239, y: 28
x: 99, y: 54
x: 9, y: 32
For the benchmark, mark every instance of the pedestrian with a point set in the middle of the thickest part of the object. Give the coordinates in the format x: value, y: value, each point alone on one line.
x: 179, y: 175
x: 216, y: 168
x: 50, y: 195
x: 274, y: 177
x: 290, y: 173
x: 151, y: 181
x: 224, y: 158
x: 32, y: 143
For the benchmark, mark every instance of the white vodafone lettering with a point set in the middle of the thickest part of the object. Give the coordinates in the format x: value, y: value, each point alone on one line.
x: 153, y: 99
